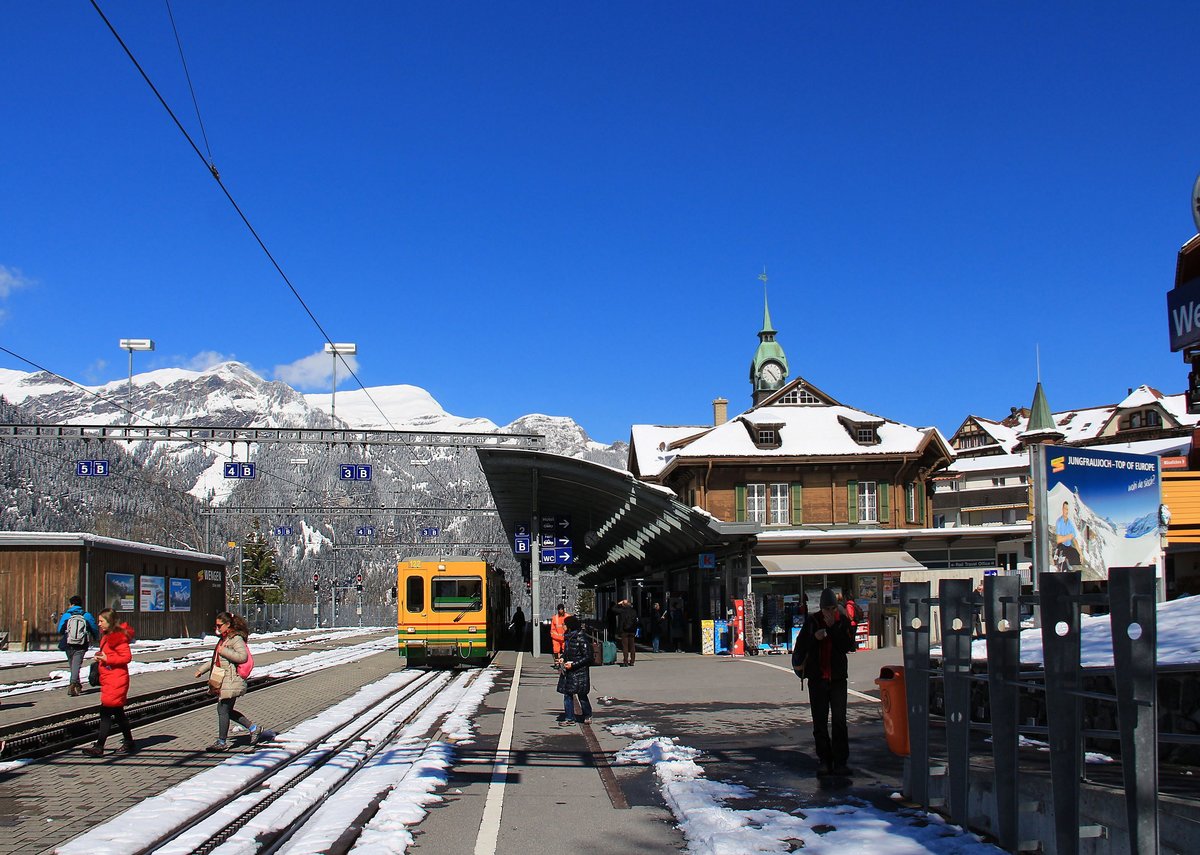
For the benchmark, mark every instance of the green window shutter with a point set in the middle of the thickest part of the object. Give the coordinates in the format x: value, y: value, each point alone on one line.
x: 797, y: 504
x: 885, y: 501
x: 908, y: 508
x: 920, y: 503
x: 852, y: 501
x: 739, y: 501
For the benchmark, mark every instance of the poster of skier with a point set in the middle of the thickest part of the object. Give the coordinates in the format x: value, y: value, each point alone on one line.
x: 1102, y: 508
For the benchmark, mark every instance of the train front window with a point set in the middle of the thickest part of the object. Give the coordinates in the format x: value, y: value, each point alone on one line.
x: 457, y: 593
x: 414, y: 594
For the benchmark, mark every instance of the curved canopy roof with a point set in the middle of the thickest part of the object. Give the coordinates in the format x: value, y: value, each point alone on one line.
x: 619, y: 526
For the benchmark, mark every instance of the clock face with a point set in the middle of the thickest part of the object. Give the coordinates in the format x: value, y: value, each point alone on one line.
x: 772, y: 373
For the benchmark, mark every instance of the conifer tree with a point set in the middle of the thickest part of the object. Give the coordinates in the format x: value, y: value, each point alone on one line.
x: 260, y: 568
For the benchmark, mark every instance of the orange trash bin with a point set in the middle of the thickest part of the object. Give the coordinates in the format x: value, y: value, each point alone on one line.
x: 894, y: 700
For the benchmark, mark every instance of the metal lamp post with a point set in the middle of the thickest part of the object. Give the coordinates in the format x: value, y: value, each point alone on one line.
x: 132, y: 344
x: 337, y: 349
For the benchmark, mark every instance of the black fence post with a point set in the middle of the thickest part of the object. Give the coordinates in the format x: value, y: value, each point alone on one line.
x: 1002, y: 616
x: 914, y: 631
x: 1060, y: 645
x: 958, y: 623
x: 1133, y: 613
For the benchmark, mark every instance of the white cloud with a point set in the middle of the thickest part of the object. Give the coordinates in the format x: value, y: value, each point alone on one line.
x: 10, y: 280
x: 315, y: 371
x: 206, y: 359
x: 95, y: 373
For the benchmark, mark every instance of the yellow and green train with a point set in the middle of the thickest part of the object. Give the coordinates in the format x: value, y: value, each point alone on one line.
x: 451, y: 610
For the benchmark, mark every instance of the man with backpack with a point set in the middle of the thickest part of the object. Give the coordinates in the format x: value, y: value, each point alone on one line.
x: 74, y: 628
x: 627, y: 626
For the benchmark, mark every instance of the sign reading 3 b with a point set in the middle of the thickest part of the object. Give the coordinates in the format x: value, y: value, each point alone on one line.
x: 355, y: 472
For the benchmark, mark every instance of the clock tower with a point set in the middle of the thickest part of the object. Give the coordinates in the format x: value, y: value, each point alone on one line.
x: 769, y: 368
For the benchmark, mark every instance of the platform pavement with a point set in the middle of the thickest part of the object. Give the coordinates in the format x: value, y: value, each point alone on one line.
x: 749, y: 716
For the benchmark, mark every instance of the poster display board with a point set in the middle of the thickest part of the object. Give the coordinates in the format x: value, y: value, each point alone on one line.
x: 120, y: 592
x: 1102, y: 510
x: 153, y: 593
x: 180, y: 595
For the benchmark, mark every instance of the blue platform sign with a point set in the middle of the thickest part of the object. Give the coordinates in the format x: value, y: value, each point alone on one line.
x: 284, y: 531
x: 91, y: 468
x: 355, y: 472
x: 522, y: 545
x: 239, y: 470
x: 708, y: 561
x: 521, y: 530
x: 365, y: 531
x: 430, y: 531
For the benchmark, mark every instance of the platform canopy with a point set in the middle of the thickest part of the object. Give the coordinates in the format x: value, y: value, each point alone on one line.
x: 618, y: 526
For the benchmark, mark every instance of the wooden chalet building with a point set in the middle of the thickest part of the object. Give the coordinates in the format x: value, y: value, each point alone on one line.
x: 838, y: 496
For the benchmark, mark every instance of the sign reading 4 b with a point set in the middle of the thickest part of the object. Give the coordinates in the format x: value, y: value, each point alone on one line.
x: 355, y: 472
x: 239, y: 470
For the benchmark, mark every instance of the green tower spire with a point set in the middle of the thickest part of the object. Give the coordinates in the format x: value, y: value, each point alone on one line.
x: 769, y: 368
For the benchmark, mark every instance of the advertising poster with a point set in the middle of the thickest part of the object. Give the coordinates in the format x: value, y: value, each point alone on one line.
x: 1102, y: 510
x: 181, y: 595
x: 120, y: 593
x: 868, y: 588
x: 153, y: 594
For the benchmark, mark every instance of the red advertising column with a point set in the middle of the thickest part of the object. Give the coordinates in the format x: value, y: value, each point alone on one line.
x: 739, y: 628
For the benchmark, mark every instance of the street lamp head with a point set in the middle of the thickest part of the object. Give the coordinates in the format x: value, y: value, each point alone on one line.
x: 132, y: 344
x: 344, y: 348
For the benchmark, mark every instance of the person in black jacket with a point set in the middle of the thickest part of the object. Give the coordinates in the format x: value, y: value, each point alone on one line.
x: 820, y: 657
x: 574, y: 672
x: 627, y: 626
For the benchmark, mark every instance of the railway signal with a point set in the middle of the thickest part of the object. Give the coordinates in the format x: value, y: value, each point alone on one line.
x: 358, y: 582
x: 316, y: 582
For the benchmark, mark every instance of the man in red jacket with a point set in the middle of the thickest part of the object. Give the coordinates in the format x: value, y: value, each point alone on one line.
x: 820, y: 657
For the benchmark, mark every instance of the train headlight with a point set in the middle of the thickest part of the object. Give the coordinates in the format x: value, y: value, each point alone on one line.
x: 471, y: 629
x: 412, y: 629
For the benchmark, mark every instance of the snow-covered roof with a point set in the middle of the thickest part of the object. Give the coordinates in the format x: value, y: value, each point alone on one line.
x: 651, y: 445
x: 69, y: 539
x: 806, y: 431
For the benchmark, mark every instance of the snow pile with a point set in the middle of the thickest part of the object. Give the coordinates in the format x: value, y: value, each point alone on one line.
x: 711, y: 827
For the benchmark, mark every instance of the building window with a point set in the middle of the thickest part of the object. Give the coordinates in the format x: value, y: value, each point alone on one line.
x: 799, y: 396
x: 768, y: 437
x: 910, y: 502
x: 866, y: 436
x: 756, y: 503
x: 1024, y: 479
x: 1135, y: 421
x: 998, y: 482
x: 1153, y: 419
x: 779, y: 505
x: 868, y: 509
x: 939, y: 520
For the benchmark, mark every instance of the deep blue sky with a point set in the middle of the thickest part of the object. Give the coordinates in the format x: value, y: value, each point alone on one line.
x: 563, y: 207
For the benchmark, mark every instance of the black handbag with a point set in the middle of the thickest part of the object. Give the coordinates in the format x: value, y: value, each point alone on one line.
x: 94, y: 673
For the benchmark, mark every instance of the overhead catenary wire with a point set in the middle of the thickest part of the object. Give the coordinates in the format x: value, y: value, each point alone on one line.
x: 246, y: 221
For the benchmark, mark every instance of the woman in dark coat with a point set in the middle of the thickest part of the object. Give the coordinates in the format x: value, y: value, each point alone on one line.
x: 574, y: 672
x: 113, y: 657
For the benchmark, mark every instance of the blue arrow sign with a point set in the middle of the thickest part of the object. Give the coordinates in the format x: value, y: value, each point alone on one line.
x: 564, y: 556
x: 562, y: 542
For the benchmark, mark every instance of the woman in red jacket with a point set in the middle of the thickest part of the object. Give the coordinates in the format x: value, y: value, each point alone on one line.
x: 113, y: 657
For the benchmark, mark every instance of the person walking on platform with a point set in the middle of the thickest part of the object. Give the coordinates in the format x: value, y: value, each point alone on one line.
x: 230, y: 652
x: 558, y: 629
x: 820, y: 657
x: 517, y: 627
x: 574, y: 675
x: 627, y: 624
x: 74, y: 628
x: 113, y: 657
x: 658, y: 627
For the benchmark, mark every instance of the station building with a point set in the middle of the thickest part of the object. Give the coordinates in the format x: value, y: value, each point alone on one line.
x: 161, y: 592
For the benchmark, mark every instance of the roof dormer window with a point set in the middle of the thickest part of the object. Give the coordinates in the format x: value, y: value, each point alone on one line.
x: 800, y: 395
x: 865, y: 436
x: 766, y: 437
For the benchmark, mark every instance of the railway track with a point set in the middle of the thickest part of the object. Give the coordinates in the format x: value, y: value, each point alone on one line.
x: 316, y: 789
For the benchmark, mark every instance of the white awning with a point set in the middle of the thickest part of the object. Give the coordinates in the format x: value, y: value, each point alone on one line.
x: 837, y: 562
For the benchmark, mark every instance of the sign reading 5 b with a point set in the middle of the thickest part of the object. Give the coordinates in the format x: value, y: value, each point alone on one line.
x: 355, y: 472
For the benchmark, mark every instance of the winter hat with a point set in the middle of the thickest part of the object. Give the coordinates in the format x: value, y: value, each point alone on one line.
x: 828, y: 598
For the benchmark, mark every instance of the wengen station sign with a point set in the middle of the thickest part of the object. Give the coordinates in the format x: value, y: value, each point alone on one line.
x: 1183, y: 311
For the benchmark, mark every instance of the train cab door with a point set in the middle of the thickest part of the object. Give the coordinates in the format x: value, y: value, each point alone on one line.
x: 414, y: 608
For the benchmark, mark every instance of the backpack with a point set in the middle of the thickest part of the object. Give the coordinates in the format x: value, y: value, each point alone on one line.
x: 76, y: 631
x: 246, y: 667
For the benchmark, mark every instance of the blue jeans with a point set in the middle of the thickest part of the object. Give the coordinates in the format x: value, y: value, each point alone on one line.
x: 654, y: 642
x: 569, y: 706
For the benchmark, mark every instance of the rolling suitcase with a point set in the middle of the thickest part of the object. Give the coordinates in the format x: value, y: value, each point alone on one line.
x: 608, y: 651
